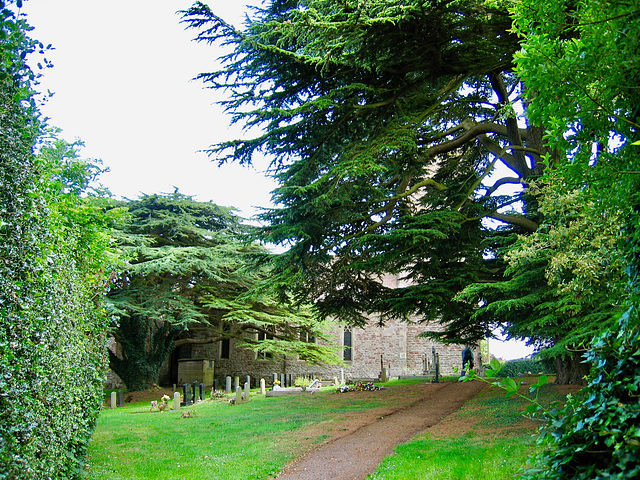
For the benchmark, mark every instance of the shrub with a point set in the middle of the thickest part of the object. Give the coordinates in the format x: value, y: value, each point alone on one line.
x: 597, y: 435
x: 526, y: 366
x: 51, y: 320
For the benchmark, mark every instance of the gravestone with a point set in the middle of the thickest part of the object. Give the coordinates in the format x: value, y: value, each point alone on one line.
x: 236, y: 383
x: 248, y: 379
x: 196, y: 391
x: 186, y: 389
x: 176, y: 400
x: 247, y: 390
x: 113, y: 400
x: 238, y: 394
x: 342, y: 376
x: 289, y: 380
x: 227, y: 386
x: 120, y: 398
x: 263, y: 387
x: 283, y: 380
x: 202, y: 392
x: 274, y: 378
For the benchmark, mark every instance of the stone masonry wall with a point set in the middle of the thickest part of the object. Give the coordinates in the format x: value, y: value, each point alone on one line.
x: 397, y: 345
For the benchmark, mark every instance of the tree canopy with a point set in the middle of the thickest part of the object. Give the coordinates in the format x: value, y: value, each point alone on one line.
x: 402, y: 145
x: 192, y: 275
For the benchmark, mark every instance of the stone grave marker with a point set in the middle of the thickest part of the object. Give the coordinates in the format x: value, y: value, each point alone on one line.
x: 186, y: 389
x: 227, y: 386
x: 263, y: 387
x: 113, y: 400
x: 196, y: 393
x: 176, y: 400
x: 238, y: 394
x: 247, y: 390
x: 120, y: 398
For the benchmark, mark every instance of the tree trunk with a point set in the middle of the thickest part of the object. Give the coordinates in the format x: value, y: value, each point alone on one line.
x: 571, y: 371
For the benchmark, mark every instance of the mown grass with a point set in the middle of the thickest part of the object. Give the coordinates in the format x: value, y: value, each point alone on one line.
x: 251, y: 440
x: 497, y: 445
x: 255, y: 439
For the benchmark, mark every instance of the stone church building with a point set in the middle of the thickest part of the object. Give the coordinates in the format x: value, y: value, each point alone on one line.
x: 396, y: 347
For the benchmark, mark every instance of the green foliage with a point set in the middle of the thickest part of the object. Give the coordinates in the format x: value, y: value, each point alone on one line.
x: 51, y: 315
x: 192, y: 275
x: 527, y: 366
x: 579, y: 62
x: 385, y: 125
x: 597, y: 435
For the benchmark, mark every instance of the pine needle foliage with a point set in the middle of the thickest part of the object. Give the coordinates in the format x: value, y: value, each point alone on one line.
x: 193, y: 275
x: 383, y: 120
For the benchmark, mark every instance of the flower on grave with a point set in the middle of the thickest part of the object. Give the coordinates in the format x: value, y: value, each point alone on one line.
x: 154, y: 404
x: 277, y: 382
x: 166, y: 398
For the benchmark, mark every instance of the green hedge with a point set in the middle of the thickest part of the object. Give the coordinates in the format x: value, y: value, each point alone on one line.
x: 51, y: 322
x: 527, y: 366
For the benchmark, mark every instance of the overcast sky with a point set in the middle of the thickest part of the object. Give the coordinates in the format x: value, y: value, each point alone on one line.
x: 122, y: 83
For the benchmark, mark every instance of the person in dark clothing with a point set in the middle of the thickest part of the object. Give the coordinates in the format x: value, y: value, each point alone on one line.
x: 467, y: 358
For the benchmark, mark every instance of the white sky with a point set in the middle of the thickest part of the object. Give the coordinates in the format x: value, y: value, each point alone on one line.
x: 122, y: 84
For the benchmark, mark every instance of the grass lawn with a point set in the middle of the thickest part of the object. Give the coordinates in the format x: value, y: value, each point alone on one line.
x: 251, y: 440
x: 255, y: 439
x: 496, y: 444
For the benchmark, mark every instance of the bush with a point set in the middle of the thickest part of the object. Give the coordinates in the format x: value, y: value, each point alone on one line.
x: 51, y: 320
x: 597, y: 435
x: 526, y: 366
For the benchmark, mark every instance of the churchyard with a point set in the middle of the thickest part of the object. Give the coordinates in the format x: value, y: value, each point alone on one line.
x: 231, y: 437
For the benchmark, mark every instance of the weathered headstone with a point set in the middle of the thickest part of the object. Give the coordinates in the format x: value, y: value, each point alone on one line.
x: 120, y: 398
x: 113, y: 400
x: 202, y: 392
x: 247, y: 390
x: 289, y: 380
x: 196, y: 394
x: 383, y: 375
x: 236, y: 383
x: 437, y: 379
x: 283, y: 380
x: 342, y: 376
x: 227, y: 386
x: 335, y: 381
x: 186, y: 389
x: 208, y: 372
x: 238, y: 394
x: 248, y: 379
x: 263, y: 387
x: 176, y: 400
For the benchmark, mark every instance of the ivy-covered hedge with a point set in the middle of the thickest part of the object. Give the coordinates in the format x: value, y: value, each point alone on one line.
x: 51, y: 321
x: 597, y: 435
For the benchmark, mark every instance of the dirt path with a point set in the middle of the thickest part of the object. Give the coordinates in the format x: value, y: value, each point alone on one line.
x: 357, y: 453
